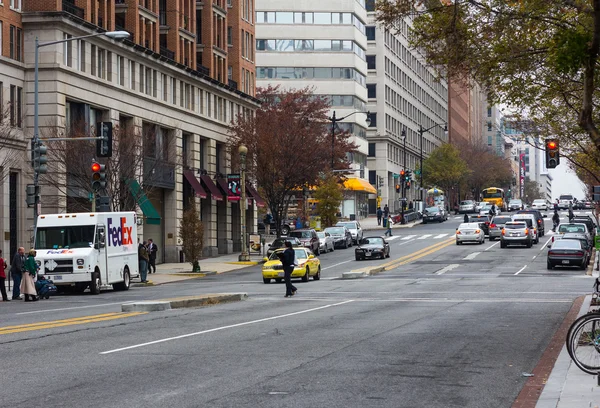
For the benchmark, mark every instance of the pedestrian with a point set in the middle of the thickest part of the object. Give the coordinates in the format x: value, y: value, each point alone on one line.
x: 3, y: 267
x: 386, y: 211
x: 268, y: 219
x: 410, y: 205
x: 143, y: 259
x: 289, y: 262
x: 466, y: 220
x: 571, y: 215
x: 556, y: 205
x: 379, y: 215
x: 17, y: 267
x: 493, y: 210
x: 27, y: 283
x: 389, y: 226
x: 152, y: 250
x: 555, y: 220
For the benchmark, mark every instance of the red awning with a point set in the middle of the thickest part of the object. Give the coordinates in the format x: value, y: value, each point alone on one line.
x: 214, y: 190
x: 191, y: 178
x: 254, y: 194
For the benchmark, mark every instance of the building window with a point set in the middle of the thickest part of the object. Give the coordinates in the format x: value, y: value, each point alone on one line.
x: 94, y: 62
x: 1, y: 34
x: 15, y: 4
x: 19, y: 56
x: 101, y: 63
x: 165, y: 88
x: 16, y: 100
x: 489, y: 126
x: 81, y: 54
x: 142, y: 82
x: 230, y: 36
x: 173, y: 91
x: 371, y: 91
x: 373, y: 117
x: 370, y: 33
x: 489, y: 112
x: 11, y: 41
x: 370, y: 61
x: 372, y: 149
x: 120, y: 70
x: 370, y: 5
x: 67, y: 51
x: 109, y: 66
x: 131, y: 74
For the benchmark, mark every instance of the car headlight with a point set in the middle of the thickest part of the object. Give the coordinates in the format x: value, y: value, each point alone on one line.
x: 80, y: 262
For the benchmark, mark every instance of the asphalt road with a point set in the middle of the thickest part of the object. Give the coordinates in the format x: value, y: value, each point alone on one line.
x: 449, y: 326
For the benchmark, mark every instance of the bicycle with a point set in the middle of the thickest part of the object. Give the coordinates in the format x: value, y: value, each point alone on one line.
x: 583, y: 338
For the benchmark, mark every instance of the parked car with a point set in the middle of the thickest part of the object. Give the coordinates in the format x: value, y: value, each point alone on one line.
x: 483, y: 220
x: 588, y: 221
x: 466, y: 207
x: 354, y: 228
x: 539, y: 204
x: 531, y: 224
x: 575, y: 227
x: 342, y: 238
x: 566, y: 252
x: 539, y: 218
x: 515, y: 204
x: 431, y: 214
x: 372, y: 247
x: 308, y: 238
x: 308, y: 265
x: 496, y: 225
x: 325, y: 242
x: 280, y: 243
x: 286, y: 227
x: 588, y: 205
x: 585, y: 244
x: 470, y: 232
x: 516, y: 232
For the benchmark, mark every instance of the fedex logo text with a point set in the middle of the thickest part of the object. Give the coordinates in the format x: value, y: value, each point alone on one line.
x: 119, y: 235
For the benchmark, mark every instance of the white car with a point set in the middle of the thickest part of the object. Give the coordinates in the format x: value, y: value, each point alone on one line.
x: 326, y: 243
x: 354, y: 228
x: 470, y: 232
x: 539, y: 204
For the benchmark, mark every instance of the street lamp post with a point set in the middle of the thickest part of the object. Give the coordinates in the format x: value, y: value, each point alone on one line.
x: 334, y: 120
x: 421, y: 133
x: 243, y: 151
x: 36, y: 136
x: 403, y: 198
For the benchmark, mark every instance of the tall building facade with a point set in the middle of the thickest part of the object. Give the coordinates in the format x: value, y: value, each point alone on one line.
x: 320, y: 44
x: 168, y: 87
x: 403, y: 95
x: 491, y: 128
x: 465, y: 111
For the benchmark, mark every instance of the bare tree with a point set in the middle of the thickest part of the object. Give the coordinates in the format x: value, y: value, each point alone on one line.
x: 12, y: 146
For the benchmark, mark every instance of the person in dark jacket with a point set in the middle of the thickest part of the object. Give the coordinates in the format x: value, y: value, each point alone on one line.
x: 379, y: 215
x: 287, y: 260
x: 28, y: 282
x: 152, y: 250
x: 16, y: 272
x: 555, y: 221
x: 143, y: 259
x: 466, y: 220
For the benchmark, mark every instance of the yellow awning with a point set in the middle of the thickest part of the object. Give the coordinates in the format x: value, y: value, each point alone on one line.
x: 358, y: 184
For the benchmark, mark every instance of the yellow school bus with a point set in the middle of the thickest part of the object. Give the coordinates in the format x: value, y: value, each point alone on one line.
x: 494, y: 195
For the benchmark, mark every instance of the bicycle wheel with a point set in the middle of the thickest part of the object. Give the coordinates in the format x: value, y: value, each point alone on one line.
x: 583, y: 343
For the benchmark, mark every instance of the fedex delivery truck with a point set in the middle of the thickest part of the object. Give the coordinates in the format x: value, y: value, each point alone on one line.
x: 81, y: 250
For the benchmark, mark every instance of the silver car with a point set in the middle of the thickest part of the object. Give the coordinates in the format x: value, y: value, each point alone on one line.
x: 341, y: 236
x: 326, y: 243
x: 466, y: 207
x: 516, y: 232
x: 515, y: 205
x: 496, y: 226
x: 470, y: 232
x: 531, y: 223
x: 354, y: 228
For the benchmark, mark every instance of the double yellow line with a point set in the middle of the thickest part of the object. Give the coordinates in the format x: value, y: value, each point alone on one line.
x: 417, y: 255
x: 66, y: 322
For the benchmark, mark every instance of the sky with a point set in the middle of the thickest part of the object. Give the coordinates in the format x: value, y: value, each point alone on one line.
x: 565, y: 181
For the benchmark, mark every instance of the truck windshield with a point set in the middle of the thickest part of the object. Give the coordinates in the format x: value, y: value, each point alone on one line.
x: 77, y: 236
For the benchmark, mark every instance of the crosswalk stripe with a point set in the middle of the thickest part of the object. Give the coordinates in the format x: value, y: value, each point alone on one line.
x: 408, y: 237
x: 440, y: 236
x: 424, y: 236
x: 393, y: 237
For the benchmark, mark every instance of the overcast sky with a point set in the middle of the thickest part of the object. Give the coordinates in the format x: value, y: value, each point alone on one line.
x: 565, y: 181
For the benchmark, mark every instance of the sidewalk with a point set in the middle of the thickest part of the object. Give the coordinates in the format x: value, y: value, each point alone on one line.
x: 176, y: 272
x: 568, y: 386
x: 370, y: 224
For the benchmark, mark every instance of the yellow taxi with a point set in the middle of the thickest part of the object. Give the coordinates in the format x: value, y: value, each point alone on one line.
x: 308, y: 265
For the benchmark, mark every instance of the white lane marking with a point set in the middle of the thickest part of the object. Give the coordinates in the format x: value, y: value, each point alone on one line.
x: 458, y: 218
x: 74, y: 308
x: 231, y: 326
x: 424, y: 236
x: 440, y: 236
x: 471, y: 256
x: 447, y: 269
x: 408, y: 237
x: 491, y: 246
x: 393, y: 237
x: 544, y: 246
x: 337, y: 264
x: 521, y: 270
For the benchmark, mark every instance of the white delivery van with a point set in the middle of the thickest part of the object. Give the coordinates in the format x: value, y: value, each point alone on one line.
x: 95, y: 250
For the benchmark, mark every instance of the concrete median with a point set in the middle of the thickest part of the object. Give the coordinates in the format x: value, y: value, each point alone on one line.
x: 183, y: 302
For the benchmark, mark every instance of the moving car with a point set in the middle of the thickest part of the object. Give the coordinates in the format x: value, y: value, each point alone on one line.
x: 341, y: 236
x: 280, y: 243
x: 576, y: 228
x: 484, y: 208
x: 539, y: 204
x: 539, y: 218
x: 566, y: 252
x: 496, y: 225
x: 585, y: 244
x: 325, y: 242
x: 564, y: 200
x: 516, y: 232
x: 515, y: 204
x: 483, y: 220
x: 466, y: 207
x: 434, y: 214
x: 308, y: 238
x: 531, y: 224
x: 470, y: 232
x: 308, y: 265
x: 372, y: 247
x: 354, y: 228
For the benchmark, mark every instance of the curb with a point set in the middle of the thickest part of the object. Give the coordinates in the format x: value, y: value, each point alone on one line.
x: 362, y: 273
x: 590, y: 268
x: 248, y: 263
x: 184, y: 302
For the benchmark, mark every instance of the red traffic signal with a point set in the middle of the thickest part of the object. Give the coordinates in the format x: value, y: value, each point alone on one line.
x: 96, y: 167
x: 552, y: 144
x: 402, y: 173
x: 552, y: 153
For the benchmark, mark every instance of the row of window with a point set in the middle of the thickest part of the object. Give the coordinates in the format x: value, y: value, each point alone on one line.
x: 15, y: 42
x: 288, y: 17
x: 346, y: 100
x: 311, y: 45
x: 247, y: 45
x: 352, y: 128
x: 309, y: 73
x: 15, y: 105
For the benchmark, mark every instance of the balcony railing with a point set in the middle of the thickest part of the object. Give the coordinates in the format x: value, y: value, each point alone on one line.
x: 165, y: 52
x: 202, y: 69
x: 158, y: 173
x: 71, y: 8
x: 232, y: 83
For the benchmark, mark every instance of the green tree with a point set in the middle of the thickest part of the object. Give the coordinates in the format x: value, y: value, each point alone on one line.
x: 191, y: 233
x: 444, y: 168
x: 532, y: 191
x: 329, y: 195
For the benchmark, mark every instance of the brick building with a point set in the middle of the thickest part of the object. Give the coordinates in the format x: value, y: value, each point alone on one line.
x: 176, y: 84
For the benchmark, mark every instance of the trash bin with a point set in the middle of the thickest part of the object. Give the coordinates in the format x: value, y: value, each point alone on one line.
x: 352, y: 217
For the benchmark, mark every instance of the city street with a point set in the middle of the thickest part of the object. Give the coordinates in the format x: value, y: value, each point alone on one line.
x: 448, y: 326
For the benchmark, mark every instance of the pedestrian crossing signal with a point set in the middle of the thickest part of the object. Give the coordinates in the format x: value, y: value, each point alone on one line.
x: 397, y: 188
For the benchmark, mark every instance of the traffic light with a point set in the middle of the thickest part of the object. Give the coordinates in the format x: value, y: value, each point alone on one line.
x: 407, y: 175
x: 407, y: 185
x: 104, y: 144
x: 98, y: 176
x: 102, y: 204
x: 552, y: 153
x: 33, y: 193
x: 402, y: 172
x: 397, y: 188
x: 38, y: 157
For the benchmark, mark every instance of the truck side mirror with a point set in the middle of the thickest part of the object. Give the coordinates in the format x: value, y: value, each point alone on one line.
x: 100, y: 238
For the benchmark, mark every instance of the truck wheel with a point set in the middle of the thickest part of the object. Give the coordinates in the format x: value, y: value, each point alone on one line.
x: 95, y: 284
x: 126, y: 281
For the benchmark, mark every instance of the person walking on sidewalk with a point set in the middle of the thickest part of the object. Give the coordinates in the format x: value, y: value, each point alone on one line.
x: 386, y: 211
x: 152, y: 250
x: 379, y: 215
x: 389, y: 226
x: 3, y: 277
x: 143, y: 259
x: 288, y: 260
x: 17, y: 267
x: 27, y: 283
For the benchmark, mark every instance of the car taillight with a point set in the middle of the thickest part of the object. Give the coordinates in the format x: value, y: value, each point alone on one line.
x: 487, y: 223
x: 457, y: 232
x: 539, y: 221
x: 579, y: 253
x: 526, y: 230
x: 492, y: 225
x: 552, y: 239
x: 503, y: 232
x: 550, y: 253
x: 477, y: 231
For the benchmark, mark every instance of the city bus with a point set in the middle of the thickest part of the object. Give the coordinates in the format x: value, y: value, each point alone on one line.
x: 494, y: 195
